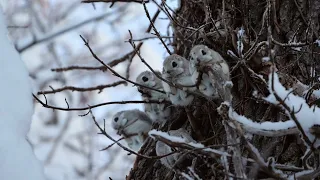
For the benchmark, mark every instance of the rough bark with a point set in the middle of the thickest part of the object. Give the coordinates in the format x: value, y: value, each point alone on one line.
x: 289, y: 21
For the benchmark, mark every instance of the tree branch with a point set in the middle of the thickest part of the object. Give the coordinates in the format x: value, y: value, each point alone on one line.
x: 46, y: 105
x: 38, y: 41
x: 72, y: 88
x: 114, y: 1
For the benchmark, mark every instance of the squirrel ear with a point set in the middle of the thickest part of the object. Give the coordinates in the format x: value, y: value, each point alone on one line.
x: 124, y: 122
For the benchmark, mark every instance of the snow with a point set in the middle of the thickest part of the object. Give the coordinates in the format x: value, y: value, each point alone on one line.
x: 256, y: 153
x: 182, y: 140
x: 186, y: 176
x: 166, y: 135
x: 107, y: 38
x: 299, y: 174
x: 260, y: 159
x: 231, y: 53
x: 240, y: 35
x: 318, y: 42
x: 265, y: 59
x: 16, y: 108
x: 240, y: 32
x: 228, y: 84
x: 225, y: 163
x: 264, y: 125
x: 297, y: 48
x: 305, y: 115
x: 194, y: 173
x: 316, y: 93
x: 255, y: 93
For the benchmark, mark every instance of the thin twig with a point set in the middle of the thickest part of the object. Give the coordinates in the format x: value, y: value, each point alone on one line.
x: 113, y: 71
x: 44, y: 104
x: 147, y: 38
x: 38, y: 41
x: 103, y: 132
x: 291, y: 113
x: 113, y: 1
x: 298, y: 44
x: 154, y: 28
x: 72, y: 88
x: 71, y: 68
x: 102, y: 68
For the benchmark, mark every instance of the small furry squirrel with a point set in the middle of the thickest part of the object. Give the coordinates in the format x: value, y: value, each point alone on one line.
x: 157, y: 112
x: 176, y: 70
x: 133, y: 125
x: 215, y: 80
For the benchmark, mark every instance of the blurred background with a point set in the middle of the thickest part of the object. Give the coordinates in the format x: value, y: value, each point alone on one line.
x: 46, y: 34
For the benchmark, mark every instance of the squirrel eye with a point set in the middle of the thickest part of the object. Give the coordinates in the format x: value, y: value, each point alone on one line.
x: 203, y: 52
x: 144, y: 79
x: 116, y: 119
x: 174, y: 64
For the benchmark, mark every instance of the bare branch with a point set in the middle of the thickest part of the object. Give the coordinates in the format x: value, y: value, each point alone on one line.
x: 113, y: 71
x: 154, y: 28
x: 288, y: 44
x: 46, y: 105
x: 101, y: 68
x: 103, y: 132
x: 72, y: 88
x: 38, y: 41
x: 147, y: 38
x: 114, y: 1
x: 88, y: 68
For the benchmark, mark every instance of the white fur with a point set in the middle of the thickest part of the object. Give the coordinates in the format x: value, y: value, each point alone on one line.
x: 178, y: 75
x: 211, y: 85
x: 157, y: 112
x: 132, y: 122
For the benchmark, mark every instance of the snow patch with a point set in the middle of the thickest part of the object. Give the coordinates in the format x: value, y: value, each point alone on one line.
x: 16, y: 108
x: 305, y: 115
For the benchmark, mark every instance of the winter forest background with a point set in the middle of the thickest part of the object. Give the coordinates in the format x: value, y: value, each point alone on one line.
x: 269, y: 130
x: 46, y: 34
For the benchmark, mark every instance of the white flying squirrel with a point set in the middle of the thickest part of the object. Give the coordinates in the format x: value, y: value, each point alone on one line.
x: 176, y: 70
x: 215, y: 80
x: 157, y: 112
x: 133, y: 125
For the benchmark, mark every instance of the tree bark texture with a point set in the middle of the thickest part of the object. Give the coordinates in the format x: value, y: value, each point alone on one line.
x: 216, y: 24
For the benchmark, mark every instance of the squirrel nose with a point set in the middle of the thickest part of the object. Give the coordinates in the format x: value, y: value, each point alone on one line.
x: 168, y: 71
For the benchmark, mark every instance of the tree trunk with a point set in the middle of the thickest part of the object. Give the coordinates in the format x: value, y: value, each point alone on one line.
x: 216, y: 24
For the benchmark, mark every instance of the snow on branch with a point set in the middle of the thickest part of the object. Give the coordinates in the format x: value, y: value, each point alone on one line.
x: 175, y: 141
x: 303, y: 118
x: 240, y: 35
x: 270, y: 129
x: 267, y: 167
x: 297, y: 109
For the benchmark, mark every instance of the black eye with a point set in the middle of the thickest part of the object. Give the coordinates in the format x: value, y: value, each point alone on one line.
x: 144, y: 79
x: 203, y: 52
x: 116, y: 119
x: 174, y: 64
